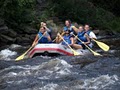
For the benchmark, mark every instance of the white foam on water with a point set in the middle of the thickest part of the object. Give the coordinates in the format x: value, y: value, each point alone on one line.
x: 64, y: 63
x: 98, y: 83
x: 6, y: 54
x: 50, y: 86
x: 13, y: 46
x: 43, y: 77
x: 112, y: 51
x: 25, y: 70
x: 45, y: 57
x: 61, y: 68
x: 17, y: 82
x: 56, y: 67
x: 11, y: 74
x: 64, y: 72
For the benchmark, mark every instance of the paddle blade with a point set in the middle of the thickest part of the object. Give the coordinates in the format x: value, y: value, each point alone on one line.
x: 96, y: 54
x: 102, y: 45
x: 20, y: 57
x: 75, y: 53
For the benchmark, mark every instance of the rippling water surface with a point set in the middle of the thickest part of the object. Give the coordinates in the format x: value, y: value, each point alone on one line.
x: 61, y: 73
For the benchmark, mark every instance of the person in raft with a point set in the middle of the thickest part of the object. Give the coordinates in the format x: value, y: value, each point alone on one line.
x: 83, y: 37
x: 49, y: 30
x: 67, y: 37
x: 70, y: 27
x: 42, y: 37
x: 90, y: 34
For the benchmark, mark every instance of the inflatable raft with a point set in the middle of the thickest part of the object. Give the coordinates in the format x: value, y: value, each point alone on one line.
x: 53, y: 50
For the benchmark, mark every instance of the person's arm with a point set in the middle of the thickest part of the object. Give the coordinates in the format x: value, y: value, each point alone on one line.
x: 75, y: 38
x: 36, y: 39
x: 47, y: 29
x: 75, y: 29
x: 48, y: 36
x: 92, y: 35
x: 88, y: 39
x: 58, y: 39
x: 72, y: 40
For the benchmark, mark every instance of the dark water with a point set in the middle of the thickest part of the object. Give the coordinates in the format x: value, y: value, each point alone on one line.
x: 63, y: 72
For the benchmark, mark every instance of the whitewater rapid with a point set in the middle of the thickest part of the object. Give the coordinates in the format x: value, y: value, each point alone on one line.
x: 58, y: 73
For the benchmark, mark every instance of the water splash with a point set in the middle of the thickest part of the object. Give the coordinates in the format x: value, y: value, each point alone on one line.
x: 55, y: 66
x: 54, y: 74
x: 50, y: 86
x: 6, y: 54
x: 14, y: 46
x: 98, y: 83
x: 45, y: 57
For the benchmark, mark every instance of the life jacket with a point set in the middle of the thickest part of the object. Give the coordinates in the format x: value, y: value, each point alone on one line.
x: 88, y: 32
x: 67, y: 39
x: 68, y: 28
x: 91, y: 43
x: 43, y: 39
x: 81, y: 37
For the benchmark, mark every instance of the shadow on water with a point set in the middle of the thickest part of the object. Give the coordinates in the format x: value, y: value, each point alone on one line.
x: 64, y: 72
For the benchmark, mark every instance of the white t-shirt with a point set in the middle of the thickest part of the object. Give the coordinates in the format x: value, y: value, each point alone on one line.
x: 92, y: 35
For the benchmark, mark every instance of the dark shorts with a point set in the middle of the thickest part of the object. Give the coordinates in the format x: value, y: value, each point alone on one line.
x: 83, y: 46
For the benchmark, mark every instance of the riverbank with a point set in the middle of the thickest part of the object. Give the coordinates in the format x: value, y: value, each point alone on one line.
x: 20, y: 20
x: 27, y: 34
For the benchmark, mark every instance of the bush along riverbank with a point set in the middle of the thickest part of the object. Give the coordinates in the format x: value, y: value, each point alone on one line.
x: 20, y: 20
x: 27, y: 35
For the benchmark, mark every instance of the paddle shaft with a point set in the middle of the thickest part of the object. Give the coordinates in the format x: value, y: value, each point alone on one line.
x: 75, y: 53
x: 22, y: 56
x: 87, y: 46
x: 64, y: 41
x: 35, y: 43
x: 61, y: 35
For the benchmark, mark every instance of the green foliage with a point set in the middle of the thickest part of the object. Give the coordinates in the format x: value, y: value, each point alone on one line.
x: 16, y: 12
x: 44, y: 16
x: 114, y: 25
x: 109, y: 5
x: 83, y: 11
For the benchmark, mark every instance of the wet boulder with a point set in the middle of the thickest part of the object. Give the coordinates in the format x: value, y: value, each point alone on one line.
x: 3, y: 29
x: 6, y: 38
x: 23, y: 40
x: 4, y: 34
x: 12, y: 33
x: 29, y: 30
x: 1, y: 22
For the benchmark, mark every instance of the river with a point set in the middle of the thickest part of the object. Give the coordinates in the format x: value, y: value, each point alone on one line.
x: 62, y: 72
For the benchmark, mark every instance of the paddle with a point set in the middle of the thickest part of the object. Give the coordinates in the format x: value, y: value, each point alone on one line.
x: 56, y: 37
x: 74, y: 52
x: 95, y: 53
x: 102, y: 45
x: 23, y: 55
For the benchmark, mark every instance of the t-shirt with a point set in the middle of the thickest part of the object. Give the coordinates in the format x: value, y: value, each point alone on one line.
x: 92, y: 35
x: 46, y: 34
